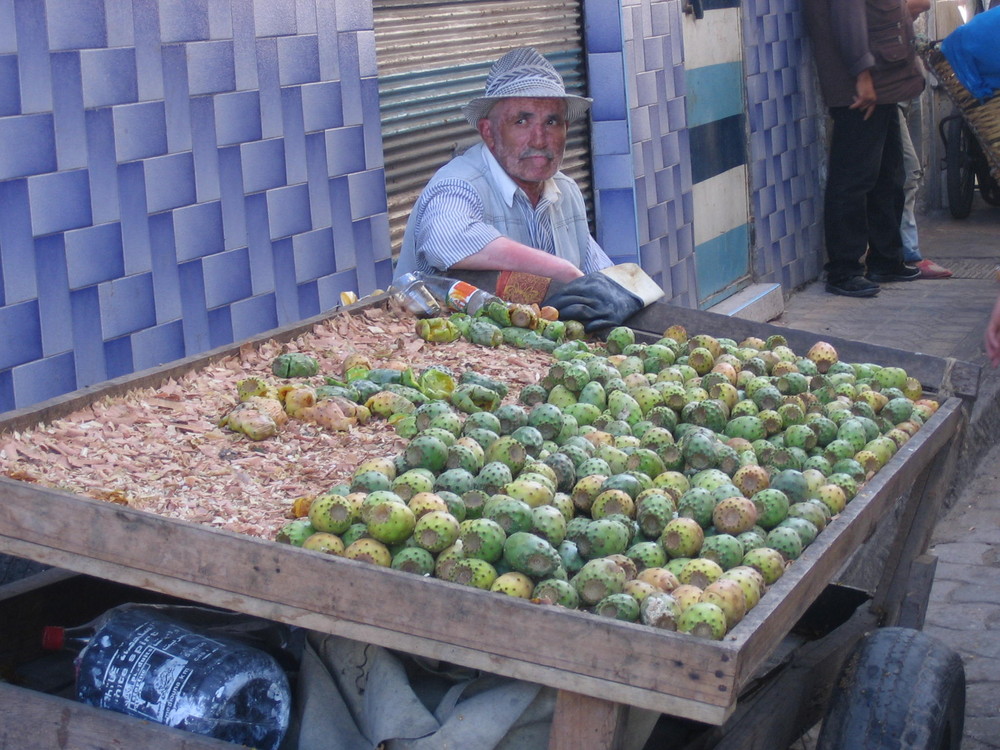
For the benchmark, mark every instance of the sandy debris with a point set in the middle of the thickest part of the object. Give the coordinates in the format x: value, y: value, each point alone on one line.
x: 161, y: 449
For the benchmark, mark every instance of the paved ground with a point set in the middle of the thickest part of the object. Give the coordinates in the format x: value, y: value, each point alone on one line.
x: 947, y: 318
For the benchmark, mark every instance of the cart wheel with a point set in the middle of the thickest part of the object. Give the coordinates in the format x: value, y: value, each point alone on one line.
x: 899, y: 689
x: 960, y: 172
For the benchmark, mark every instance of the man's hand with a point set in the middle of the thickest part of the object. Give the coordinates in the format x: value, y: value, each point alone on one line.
x: 505, y: 254
x: 596, y: 301
x: 864, y: 97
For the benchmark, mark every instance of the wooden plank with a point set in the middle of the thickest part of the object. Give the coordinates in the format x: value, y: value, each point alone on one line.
x: 621, y: 661
x: 41, y: 722
x: 951, y: 377
x: 913, y: 608
x: 819, y: 563
x: 581, y: 722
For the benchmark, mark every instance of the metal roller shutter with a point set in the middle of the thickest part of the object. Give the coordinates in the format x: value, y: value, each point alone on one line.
x: 434, y: 55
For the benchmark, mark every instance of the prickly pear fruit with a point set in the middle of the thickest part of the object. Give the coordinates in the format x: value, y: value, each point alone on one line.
x: 682, y: 537
x: 471, y: 571
x: 767, y: 561
x: 704, y: 620
x: 369, y: 550
x: 598, y: 578
x: 413, y: 560
x: 435, y: 531
x: 483, y: 538
x: 556, y: 591
x: 513, y: 583
x: 660, y: 610
x: 729, y: 597
x: 700, y: 572
x: 734, y: 515
x: 620, y: 606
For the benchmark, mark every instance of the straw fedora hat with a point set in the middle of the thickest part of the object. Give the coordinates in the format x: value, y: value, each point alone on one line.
x: 523, y: 72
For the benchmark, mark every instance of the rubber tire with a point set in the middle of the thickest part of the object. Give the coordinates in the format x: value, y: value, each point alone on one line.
x: 899, y: 690
x: 959, y: 172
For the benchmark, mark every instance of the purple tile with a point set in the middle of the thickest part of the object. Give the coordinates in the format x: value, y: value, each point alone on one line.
x: 184, y: 20
x: 7, y: 402
x: 363, y: 243
x: 127, y: 305
x: 328, y: 289
x: 259, y: 244
x: 203, y: 149
x: 263, y: 164
x: 29, y: 146
x: 17, y: 249
x: 374, y: 155
x: 610, y: 138
x: 269, y: 87
x: 380, y: 247
x: 158, y: 345
x: 350, y: 78
x: 176, y: 98
x: 367, y: 56
x: 94, y: 254
x: 109, y: 76
x: 76, y: 24
x: 603, y: 26
x: 237, y: 117
x: 340, y: 207
x: 367, y: 191
x: 220, y: 327
x: 148, y: 57
x: 87, y: 343
x: 55, y: 315
x: 32, y: 47
x: 295, y: 160
x: 309, y: 299
x: 322, y: 107
x: 59, y: 201
x: 103, y: 173
x: 163, y: 265
x: 120, y: 22
x: 44, y: 379
x: 211, y: 67
x: 253, y: 315
x: 244, y: 44
x: 275, y: 18
x: 227, y: 277
x: 313, y: 253
x: 285, y: 291
x: 25, y: 318
x: 616, y: 209
x: 318, y: 180
x: 345, y: 150
x: 288, y: 210
x: 68, y: 111
x: 8, y: 35
x: 232, y: 196
x: 134, y: 218
x: 118, y: 357
x: 170, y: 181
x: 195, y: 313
x: 298, y: 59
x: 354, y: 16
x: 10, y: 92
x: 383, y: 276
x: 607, y: 85
x: 613, y: 172
x: 329, y: 41
x: 198, y: 230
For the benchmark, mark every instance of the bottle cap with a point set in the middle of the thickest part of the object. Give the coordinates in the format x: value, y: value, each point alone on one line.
x: 53, y: 637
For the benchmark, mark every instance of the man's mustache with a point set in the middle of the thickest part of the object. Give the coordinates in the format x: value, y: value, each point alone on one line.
x: 531, y: 153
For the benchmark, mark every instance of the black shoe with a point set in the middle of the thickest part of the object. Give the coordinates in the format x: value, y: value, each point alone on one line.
x: 903, y: 273
x: 854, y: 286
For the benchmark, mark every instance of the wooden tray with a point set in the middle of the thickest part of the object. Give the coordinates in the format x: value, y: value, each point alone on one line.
x: 576, y: 652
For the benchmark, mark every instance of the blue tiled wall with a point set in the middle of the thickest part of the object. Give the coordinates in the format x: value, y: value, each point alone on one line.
x: 787, y: 149
x: 179, y: 174
x: 176, y: 175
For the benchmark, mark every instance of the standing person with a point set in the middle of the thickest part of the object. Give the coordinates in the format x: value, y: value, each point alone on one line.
x: 503, y: 205
x: 867, y: 65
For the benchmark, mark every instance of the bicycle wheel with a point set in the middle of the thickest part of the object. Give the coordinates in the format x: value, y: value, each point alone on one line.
x: 960, y: 173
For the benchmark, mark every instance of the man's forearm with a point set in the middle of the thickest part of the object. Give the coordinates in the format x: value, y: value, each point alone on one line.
x: 504, y: 254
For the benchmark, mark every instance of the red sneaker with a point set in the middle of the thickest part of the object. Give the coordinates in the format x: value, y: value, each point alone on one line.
x: 931, y: 270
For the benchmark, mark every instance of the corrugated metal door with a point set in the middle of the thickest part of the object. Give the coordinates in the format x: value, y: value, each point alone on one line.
x: 433, y: 57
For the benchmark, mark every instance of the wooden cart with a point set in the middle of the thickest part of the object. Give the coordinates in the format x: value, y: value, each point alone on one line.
x: 875, y: 551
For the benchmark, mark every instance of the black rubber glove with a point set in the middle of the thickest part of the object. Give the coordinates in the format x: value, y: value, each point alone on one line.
x: 596, y: 301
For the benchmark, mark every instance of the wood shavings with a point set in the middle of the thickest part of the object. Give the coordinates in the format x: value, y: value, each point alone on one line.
x: 161, y: 450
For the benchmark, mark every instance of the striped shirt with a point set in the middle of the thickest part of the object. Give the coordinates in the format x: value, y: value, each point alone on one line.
x: 471, y: 201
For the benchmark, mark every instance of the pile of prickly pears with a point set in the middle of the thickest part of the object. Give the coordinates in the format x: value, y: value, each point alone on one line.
x: 667, y: 483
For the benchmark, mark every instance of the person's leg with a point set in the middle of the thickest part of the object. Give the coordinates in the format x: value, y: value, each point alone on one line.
x: 885, y: 203
x: 853, y: 170
x: 912, y: 172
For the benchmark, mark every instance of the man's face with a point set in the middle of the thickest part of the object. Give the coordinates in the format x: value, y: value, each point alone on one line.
x: 528, y: 138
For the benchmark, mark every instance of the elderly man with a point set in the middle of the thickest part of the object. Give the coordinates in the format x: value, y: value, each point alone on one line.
x: 503, y: 205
